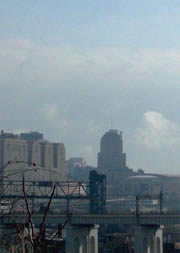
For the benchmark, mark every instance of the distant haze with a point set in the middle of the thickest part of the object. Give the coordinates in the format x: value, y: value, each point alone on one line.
x: 70, y: 68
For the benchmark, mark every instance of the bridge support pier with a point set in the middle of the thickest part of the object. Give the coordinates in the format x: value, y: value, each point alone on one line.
x: 148, y: 239
x: 81, y: 239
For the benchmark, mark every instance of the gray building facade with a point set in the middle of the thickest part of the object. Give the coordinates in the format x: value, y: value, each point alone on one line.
x: 111, y: 156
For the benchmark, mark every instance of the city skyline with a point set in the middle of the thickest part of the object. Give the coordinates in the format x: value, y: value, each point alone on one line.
x: 69, y: 68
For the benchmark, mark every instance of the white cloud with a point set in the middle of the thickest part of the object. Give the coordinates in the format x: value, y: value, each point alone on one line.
x: 50, y: 111
x: 157, y: 131
x: 92, y: 127
x: 25, y: 61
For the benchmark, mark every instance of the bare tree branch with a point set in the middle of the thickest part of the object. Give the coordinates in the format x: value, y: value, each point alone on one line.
x: 28, y: 209
x: 45, y: 213
x: 59, y: 230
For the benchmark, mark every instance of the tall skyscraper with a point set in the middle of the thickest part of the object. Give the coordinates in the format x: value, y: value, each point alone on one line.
x: 111, y: 156
x: 31, y: 148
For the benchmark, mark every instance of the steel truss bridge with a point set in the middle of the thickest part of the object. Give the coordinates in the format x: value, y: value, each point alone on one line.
x: 43, y: 189
x: 94, y: 191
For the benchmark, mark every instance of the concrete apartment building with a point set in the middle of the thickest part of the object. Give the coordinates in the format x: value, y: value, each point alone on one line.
x: 33, y: 154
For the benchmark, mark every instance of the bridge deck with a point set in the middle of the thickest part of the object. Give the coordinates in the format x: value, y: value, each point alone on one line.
x: 83, y: 219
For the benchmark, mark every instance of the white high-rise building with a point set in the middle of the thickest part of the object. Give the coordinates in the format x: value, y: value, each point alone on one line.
x: 31, y: 155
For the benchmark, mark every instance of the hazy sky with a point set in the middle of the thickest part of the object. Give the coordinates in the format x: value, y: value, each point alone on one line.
x: 70, y: 67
